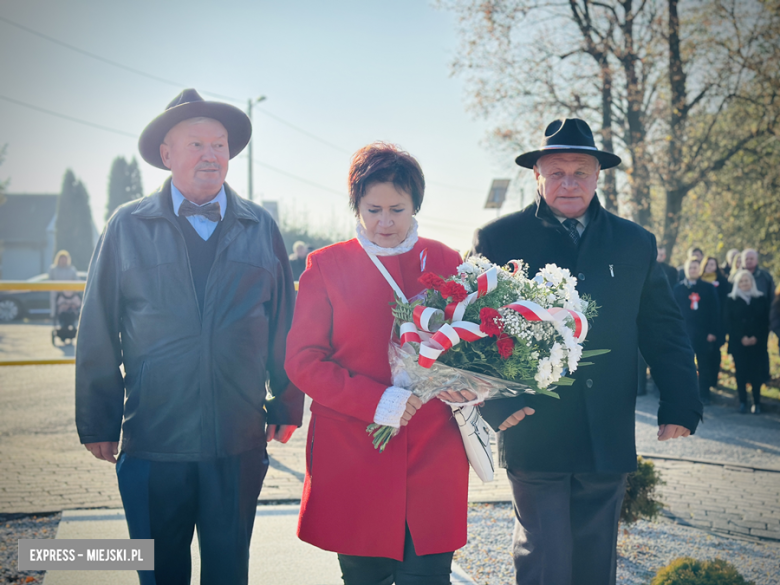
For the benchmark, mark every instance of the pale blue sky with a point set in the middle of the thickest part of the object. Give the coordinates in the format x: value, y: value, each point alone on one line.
x: 350, y: 72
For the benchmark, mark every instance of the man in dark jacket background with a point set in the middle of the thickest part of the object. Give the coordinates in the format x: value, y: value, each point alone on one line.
x: 701, y: 311
x: 568, y: 462
x: 764, y: 281
x: 190, y: 292
x: 668, y: 270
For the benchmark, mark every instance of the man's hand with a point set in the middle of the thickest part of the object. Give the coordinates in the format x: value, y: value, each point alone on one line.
x: 711, y: 338
x: 666, y: 432
x: 516, y: 418
x: 106, y: 450
x: 456, y: 396
x: 412, y: 405
x: 281, y: 433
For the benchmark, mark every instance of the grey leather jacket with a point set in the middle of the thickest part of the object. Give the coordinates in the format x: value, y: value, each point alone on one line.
x: 194, y: 385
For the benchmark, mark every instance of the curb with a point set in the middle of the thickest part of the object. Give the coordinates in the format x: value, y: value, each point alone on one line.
x: 725, y: 464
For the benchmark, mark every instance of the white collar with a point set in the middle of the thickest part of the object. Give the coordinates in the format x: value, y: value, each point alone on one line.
x: 177, y: 198
x: 402, y: 248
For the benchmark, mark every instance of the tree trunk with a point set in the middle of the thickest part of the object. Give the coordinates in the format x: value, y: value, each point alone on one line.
x: 639, y: 176
x: 610, y: 180
x: 677, y: 85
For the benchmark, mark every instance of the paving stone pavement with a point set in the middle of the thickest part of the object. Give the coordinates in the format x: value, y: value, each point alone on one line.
x: 44, y: 468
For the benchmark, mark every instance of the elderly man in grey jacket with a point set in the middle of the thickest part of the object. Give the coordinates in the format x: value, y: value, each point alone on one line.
x: 188, y: 303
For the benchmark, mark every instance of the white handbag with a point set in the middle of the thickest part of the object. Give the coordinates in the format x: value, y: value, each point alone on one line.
x: 474, y: 431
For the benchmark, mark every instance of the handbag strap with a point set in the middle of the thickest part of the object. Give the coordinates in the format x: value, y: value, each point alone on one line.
x: 388, y: 277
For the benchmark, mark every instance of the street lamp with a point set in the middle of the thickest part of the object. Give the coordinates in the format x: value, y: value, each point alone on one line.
x: 249, y: 105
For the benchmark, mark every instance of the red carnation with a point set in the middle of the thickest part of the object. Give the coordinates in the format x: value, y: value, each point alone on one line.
x: 490, y: 321
x: 455, y: 290
x: 430, y: 280
x: 506, y: 345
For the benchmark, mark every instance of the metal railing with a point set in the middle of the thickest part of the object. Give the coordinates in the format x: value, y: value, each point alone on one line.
x: 48, y: 285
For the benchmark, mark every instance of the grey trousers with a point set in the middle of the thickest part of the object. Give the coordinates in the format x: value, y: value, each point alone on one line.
x: 566, y: 527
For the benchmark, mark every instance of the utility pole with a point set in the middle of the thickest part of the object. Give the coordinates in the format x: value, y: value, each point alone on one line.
x: 250, y: 186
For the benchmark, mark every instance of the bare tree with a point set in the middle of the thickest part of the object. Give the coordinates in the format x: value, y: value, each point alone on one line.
x: 728, y: 104
x: 587, y: 58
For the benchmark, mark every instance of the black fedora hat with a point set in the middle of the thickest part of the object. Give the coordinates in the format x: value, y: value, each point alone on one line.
x: 568, y: 135
x: 188, y: 104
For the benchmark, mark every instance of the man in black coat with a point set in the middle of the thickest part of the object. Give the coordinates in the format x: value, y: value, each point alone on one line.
x: 669, y: 271
x: 700, y: 308
x: 568, y: 462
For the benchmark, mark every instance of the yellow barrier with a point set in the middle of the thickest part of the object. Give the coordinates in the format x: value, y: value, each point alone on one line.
x: 51, y: 362
x: 26, y: 286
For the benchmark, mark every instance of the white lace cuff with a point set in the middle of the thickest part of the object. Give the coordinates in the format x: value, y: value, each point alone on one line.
x: 391, y: 407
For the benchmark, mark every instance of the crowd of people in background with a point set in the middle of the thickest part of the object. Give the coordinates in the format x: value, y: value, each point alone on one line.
x: 737, y: 303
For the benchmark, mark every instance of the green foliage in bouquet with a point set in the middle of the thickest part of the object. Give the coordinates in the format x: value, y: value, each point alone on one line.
x: 639, y: 501
x: 690, y: 571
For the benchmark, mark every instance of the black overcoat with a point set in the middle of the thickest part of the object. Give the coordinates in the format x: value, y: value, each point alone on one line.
x: 703, y: 317
x: 591, y: 428
x: 743, y: 320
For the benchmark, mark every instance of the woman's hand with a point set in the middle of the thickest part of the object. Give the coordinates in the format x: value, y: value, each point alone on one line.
x: 746, y: 341
x: 456, y: 396
x: 753, y: 340
x: 412, y: 406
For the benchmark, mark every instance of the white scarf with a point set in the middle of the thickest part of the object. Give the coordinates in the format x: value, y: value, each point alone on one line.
x: 402, y: 248
x: 745, y: 296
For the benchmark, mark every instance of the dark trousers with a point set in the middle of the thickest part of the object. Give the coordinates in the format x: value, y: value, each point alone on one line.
x: 167, y: 500
x: 750, y: 369
x: 413, y: 570
x: 641, y: 388
x: 704, y: 368
x: 714, y: 360
x: 566, y: 527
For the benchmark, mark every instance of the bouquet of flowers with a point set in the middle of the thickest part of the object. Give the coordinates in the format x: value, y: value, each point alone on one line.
x: 491, y: 330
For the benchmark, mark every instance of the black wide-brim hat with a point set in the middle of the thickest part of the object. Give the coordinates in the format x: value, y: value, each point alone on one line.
x: 188, y: 104
x: 568, y: 135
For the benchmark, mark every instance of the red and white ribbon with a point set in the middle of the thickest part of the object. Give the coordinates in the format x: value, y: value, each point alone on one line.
x: 422, y: 317
x: 409, y: 333
x: 486, y: 283
x: 530, y: 311
x: 447, y: 337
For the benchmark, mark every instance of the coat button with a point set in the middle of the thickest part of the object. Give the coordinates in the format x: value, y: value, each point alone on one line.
x: 589, y: 383
x: 581, y: 276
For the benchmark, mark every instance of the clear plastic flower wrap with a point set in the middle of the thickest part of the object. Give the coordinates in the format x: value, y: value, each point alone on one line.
x: 427, y: 383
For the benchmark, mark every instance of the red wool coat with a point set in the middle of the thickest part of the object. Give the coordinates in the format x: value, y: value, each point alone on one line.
x: 356, y: 500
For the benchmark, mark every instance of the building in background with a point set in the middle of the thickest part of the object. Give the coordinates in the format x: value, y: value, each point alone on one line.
x: 27, y: 235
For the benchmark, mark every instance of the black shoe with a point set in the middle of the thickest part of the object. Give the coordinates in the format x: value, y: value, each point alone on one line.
x: 756, y: 409
x: 742, y: 408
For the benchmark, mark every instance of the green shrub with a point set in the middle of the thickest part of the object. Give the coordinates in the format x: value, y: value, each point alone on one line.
x: 688, y: 571
x: 639, y: 501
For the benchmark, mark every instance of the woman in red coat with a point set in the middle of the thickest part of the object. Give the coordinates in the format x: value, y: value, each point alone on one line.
x: 395, y: 516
